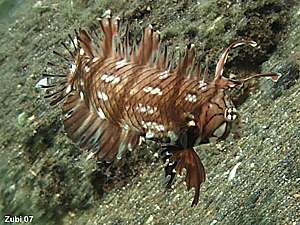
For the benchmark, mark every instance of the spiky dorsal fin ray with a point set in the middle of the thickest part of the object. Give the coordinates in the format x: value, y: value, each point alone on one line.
x: 148, y: 45
x: 109, y: 29
x: 222, y: 82
x: 147, y: 52
x: 184, y: 65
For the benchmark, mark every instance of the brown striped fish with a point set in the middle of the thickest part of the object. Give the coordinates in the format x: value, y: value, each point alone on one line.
x: 115, y: 93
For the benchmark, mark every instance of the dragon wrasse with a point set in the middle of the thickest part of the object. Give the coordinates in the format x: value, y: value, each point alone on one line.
x: 117, y: 91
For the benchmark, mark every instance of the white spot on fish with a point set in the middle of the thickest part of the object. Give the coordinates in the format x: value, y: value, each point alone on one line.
x: 191, y: 123
x: 202, y: 83
x: 204, y: 88
x: 116, y: 80
x: 102, y: 95
x: 156, y: 91
x: 109, y: 78
x: 104, y: 76
x: 152, y: 110
x: 81, y: 95
x: 149, y: 124
x: 87, y: 69
x: 125, y: 126
x: 68, y: 89
x: 160, y: 127
x: 164, y: 75
x: 191, y: 98
x: 153, y: 125
x: 73, y: 68
x: 95, y: 59
x: 101, y: 113
x: 81, y: 51
x: 147, y: 89
x: 145, y: 109
x: 133, y: 91
x: 149, y: 134
x: 121, y: 63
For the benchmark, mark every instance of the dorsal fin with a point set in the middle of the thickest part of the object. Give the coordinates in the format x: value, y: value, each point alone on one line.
x: 223, y: 82
x: 148, y: 51
x: 185, y: 64
x: 162, y: 60
x: 148, y: 45
x: 110, y: 29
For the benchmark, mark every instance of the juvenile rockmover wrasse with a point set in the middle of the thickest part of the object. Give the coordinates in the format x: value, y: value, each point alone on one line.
x: 114, y: 93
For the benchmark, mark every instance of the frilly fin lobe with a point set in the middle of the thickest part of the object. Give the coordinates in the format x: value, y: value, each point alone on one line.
x: 189, y: 160
x: 89, y: 131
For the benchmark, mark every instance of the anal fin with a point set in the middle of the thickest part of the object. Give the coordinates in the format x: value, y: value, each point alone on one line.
x: 89, y: 131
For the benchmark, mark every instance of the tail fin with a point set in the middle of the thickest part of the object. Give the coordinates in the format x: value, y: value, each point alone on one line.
x: 58, y: 85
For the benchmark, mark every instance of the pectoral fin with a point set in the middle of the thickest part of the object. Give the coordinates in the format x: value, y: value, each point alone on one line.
x: 189, y: 160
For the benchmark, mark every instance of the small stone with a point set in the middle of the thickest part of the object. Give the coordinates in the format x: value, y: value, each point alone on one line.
x: 233, y: 172
x: 149, y: 220
x: 22, y: 119
x: 290, y: 71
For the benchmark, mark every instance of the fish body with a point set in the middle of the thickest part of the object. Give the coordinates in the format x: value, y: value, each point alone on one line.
x: 115, y: 93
